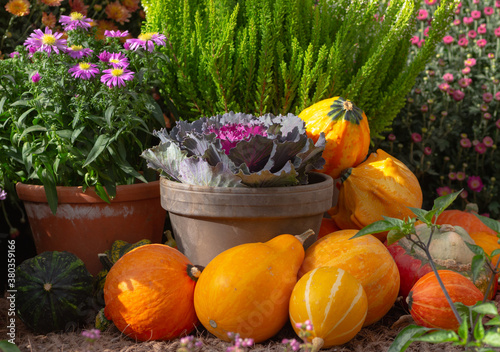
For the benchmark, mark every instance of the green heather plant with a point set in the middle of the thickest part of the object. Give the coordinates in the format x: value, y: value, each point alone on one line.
x: 475, y: 332
x: 78, y: 111
x: 281, y: 56
x: 449, y: 130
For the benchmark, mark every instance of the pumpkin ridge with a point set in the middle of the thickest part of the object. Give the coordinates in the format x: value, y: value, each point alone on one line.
x: 333, y: 291
x: 354, y: 301
x: 342, y: 109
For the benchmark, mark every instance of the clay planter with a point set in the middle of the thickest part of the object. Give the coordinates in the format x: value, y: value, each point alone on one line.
x: 209, y: 220
x: 85, y: 225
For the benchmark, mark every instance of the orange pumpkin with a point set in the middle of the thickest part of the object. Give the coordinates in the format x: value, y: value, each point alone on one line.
x: 246, y: 289
x: 465, y: 219
x: 327, y: 226
x: 333, y: 301
x: 365, y: 258
x: 346, y: 130
x: 149, y: 293
x: 428, y: 305
x: 380, y: 186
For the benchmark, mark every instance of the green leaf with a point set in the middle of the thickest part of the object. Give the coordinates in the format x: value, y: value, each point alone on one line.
x: 438, y: 336
x: 477, y: 265
x: 492, y: 338
x: 395, y: 235
x: 35, y: 128
x: 486, y: 308
x: 494, y: 321
x: 423, y: 215
x: 375, y: 227
x: 406, y: 337
x: 443, y: 202
x: 101, y: 192
x: 97, y: 149
x: 494, y: 253
x: 108, y: 114
x: 6, y: 346
x: 49, y: 183
x: 479, y: 330
x: 491, y: 223
x: 463, y: 329
x: 477, y: 250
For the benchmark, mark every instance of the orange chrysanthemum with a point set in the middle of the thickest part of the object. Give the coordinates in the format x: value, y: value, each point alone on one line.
x: 131, y: 5
x: 118, y: 12
x: 103, y: 26
x: 18, y: 7
x: 49, y: 20
x: 52, y: 2
x: 78, y: 6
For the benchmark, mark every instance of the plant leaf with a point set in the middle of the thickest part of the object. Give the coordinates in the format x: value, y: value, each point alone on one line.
x: 99, y: 146
x: 494, y: 321
x: 443, y: 202
x: 375, y: 227
x: 422, y: 215
x: 477, y: 265
x: 486, y: 308
x: 406, y: 336
x: 6, y: 346
x: 438, y: 336
x: 492, y: 338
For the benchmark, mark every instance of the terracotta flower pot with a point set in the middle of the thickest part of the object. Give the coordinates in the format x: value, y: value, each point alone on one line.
x: 85, y: 225
x: 209, y: 220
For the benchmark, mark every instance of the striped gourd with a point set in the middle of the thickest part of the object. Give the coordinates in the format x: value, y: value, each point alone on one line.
x: 53, y: 291
x: 333, y: 301
x: 365, y: 258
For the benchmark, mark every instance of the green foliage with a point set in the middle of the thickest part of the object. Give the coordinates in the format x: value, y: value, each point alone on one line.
x: 6, y: 346
x: 475, y: 333
x: 277, y: 56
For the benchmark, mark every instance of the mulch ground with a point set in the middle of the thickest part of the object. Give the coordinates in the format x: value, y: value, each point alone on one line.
x: 375, y: 338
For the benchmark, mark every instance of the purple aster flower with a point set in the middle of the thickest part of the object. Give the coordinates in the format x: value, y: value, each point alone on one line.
x: 116, y: 76
x: 146, y: 41
x: 3, y: 194
x: 35, y: 78
x: 118, y: 60
x: 75, y: 20
x: 48, y: 41
x: 14, y: 54
x: 105, y: 56
x: 115, y: 34
x: 84, y: 70
x: 475, y: 183
x: 77, y: 51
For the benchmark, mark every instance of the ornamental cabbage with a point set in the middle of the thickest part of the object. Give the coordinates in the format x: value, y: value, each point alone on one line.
x: 237, y: 150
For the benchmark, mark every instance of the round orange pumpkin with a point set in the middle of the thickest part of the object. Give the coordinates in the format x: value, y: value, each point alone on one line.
x: 333, y: 301
x: 246, y: 289
x: 346, y: 130
x: 428, y: 305
x: 488, y: 242
x: 465, y: 219
x: 365, y: 258
x: 149, y: 293
x: 380, y: 186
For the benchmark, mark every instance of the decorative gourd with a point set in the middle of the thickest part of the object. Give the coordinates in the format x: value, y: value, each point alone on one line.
x: 327, y: 226
x: 380, y: 186
x: 365, y: 258
x: 448, y: 250
x: 54, y: 289
x: 428, y: 305
x: 464, y: 218
x: 346, y: 130
x: 488, y: 242
x: 149, y: 293
x: 246, y: 289
x: 333, y: 300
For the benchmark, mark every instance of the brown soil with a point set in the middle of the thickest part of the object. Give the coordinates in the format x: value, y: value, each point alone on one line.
x: 375, y: 338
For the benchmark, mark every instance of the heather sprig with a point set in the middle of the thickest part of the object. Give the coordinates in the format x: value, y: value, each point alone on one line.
x: 449, y: 130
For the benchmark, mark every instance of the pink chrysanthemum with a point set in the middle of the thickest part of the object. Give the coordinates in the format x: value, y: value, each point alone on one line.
x: 118, y: 60
x: 468, y: 20
x: 14, y: 54
x: 488, y: 141
x: 35, y: 78
x: 488, y: 11
x: 472, y: 34
x: 497, y: 123
x: 416, y: 137
x: 448, y: 39
x: 465, y: 143
x: 231, y: 134
x: 482, y: 29
x: 427, y: 150
x: 466, y: 70
x: 75, y: 20
x: 458, y: 95
x: 115, y: 34
x: 480, y: 148
x: 463, y: 42
x: 146, y: 41
x: 470, y: 62
x: 457, y: 22
x: 464, y: 82
x: 422, y: 15
x: 481, y: 43
x: 77, y: 51
x: 448, y: 77
x: 497, y: 32
x: 48, y: 41
x: 487, y: 97
x: 443, y: 191
x: 452, y: 176
x: 105, y: 56
x: 430, y: 2
x: 414, y: 40
x: 460, y: 176
x: 475, y: 183
x: 84, y: 70
x: 116, y: 76
x: 476, y: 14
x: 497, y: 96
x: 444, y: 87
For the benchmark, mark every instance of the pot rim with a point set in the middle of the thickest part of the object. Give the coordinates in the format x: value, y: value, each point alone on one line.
x: 316, y: 180
x: 75, y: 194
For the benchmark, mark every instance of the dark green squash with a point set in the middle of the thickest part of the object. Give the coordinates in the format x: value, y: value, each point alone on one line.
x: 54, y: 290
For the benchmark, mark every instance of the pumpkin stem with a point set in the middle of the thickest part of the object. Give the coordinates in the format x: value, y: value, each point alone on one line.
x: 304, y: 236
x: 317, y: 343
x: 471, y: 208
x: 194, y: 271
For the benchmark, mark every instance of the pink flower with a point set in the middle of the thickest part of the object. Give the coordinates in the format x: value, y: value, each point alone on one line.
x: 464, y: 194
x: 497, y: 4
x: 414, y: 40
x: 422, y: 15
x: 84, y: 70
x: 444, y: 87
x: 391, y: 137
x: 476, y: 14
x: 472, y: 34
x: 452, y: 176
x: 488, y: 141
x: 482, y: 29
x: 424, y: 108
x: 468, y: 20
x: 481, y: 43
x: 464, y: 82
x: 115, y: 34
x: 488, y: 11
x: 420, y: 43
x: 497, y: 123
x: 416, y: 137
x: 465, y: 143
x: 116, y: 76
x: 36, y: 77
x: 443, y: 191
x: 430, y: 2
x: 463, y: 42
x: 480, y: 148
x: 475, y: 183
x: 491, y: 56
x: 483, y: 107
x: 497, y: 96
x: 470, y: 62
x: 460, y: 176
x: 487, y: 97
x: 458, y: 95
x: 497, y: 32
x: 40, y: 41
x: 75, y: 20
x: 448, y: 39
x: 487, y: 116
x: 448, y: 77
x: 457, y: 22
x: 77, y: 51
x: 427, y: 151
x: 147, y: 41
x: 466, y: 70
x: 426, y: 31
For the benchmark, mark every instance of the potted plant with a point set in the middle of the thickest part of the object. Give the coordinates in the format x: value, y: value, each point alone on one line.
x: 76, y: 113
x: 237, y: 178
